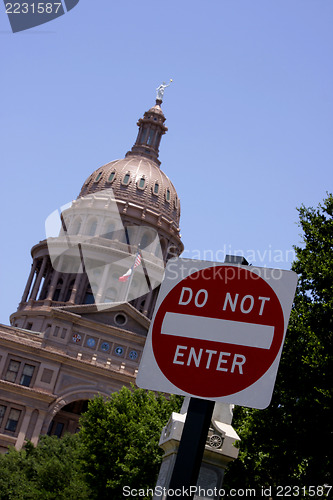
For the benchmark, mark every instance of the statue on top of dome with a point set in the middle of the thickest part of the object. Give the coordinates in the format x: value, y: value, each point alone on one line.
x: 160, y: 90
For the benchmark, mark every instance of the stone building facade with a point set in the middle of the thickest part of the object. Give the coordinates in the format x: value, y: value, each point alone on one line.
x: 79, y: 330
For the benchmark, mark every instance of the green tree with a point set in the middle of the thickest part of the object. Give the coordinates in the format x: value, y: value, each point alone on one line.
x: 52, y: 470
x: 290, y: 443
x: 121, y: 437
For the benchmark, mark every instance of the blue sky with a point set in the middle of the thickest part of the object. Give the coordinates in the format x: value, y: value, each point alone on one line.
x: 250, y: 118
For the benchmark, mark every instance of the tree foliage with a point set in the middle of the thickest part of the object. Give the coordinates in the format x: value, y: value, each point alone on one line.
x: 51, y: 471
x: 290, y: 443
x: 117, y: 446
x: 120, y: 438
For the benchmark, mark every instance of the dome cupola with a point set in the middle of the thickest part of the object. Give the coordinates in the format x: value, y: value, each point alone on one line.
x: 151, y: 129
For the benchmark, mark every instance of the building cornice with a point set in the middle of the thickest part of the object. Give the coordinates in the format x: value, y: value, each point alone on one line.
x: 30, y: 392
x: 57, y: 356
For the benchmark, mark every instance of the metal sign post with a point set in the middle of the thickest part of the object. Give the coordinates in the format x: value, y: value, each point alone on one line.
x: 191, y: 448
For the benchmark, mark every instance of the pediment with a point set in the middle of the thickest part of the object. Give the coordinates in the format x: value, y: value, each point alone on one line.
x: 119, y: 315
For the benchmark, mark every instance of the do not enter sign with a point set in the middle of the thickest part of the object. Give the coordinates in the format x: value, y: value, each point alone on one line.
x: 218, y: 332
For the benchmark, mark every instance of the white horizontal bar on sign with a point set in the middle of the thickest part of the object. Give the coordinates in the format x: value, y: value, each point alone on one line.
x: 218, y: 330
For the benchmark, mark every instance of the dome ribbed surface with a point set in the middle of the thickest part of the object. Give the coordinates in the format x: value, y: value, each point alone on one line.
x: 162, y: 199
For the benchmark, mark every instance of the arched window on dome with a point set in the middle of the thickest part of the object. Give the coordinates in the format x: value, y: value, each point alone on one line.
x: 157, y: 140
x: 76, y: 226
x: 98, y: 176
x: 172, y: 253
x: 110, y: 295
x: 156, y: 188
x: 164, y: 245
x: 141, y: 182
x: 158, y: 251
x: 150, y: 137
x: 45, y: 289
x: 142, y: 305
x: 143, y: 135
x: 132, y: 232
x: 57, y: 291
x: 109, y: 230
x: 92, y: 227
x: 126, y: 179
x: 167, y: 195
x: 89, y: 295
x: 145, y: 241
x: 124, y: 235
x: 112, y: 176
x: 69, y: 290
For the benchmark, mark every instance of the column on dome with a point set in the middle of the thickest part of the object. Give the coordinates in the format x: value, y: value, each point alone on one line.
x: 153, y: 302
x: 46, y: 284
x: 39, y: 278
x: 85, y: 289
x: 29, y: 281
x: 102, y: 286
x: 75, y: 288
x: 147, y: 303
x: 66, y: 280
x: 54, y: 281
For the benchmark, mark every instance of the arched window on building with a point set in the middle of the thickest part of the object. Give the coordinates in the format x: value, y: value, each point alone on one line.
x: 172, y: 252
x: 89, y: 295
x: 41, y: 288
x: 57, y: 291
x: 69, y: 290
x: 76, y: 225
x: 110, y: 295
x: 92, y: 227
x: 145, y: 240
x: 142, y: 305
x: 45, y: 289
x: 124, y: 238
x: 164, y: 245
x: 109, y: 230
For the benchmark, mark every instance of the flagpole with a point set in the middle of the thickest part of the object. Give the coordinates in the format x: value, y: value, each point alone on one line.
x: 146, y: 273
x: 132, y: 273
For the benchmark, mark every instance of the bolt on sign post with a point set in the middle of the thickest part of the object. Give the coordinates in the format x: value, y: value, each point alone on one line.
x: 217, y: 334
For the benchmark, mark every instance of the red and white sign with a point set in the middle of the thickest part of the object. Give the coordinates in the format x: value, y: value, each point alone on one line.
x: 218, y: 331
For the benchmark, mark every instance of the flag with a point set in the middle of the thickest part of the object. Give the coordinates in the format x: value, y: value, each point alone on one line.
x: 137, y: 262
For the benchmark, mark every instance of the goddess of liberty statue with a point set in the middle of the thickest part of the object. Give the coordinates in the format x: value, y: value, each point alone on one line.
x: 160, y: 90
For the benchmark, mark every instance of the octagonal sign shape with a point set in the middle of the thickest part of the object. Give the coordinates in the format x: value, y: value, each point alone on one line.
x: 218, y: 331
